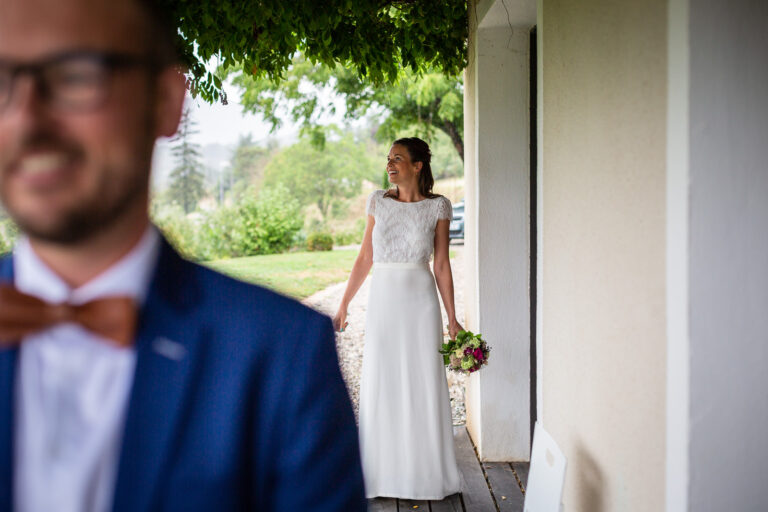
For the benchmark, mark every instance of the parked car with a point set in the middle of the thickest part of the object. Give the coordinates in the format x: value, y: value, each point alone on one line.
x: 456, y: 230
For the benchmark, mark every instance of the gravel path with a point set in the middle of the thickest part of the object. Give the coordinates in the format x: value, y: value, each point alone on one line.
x: 349, y: 344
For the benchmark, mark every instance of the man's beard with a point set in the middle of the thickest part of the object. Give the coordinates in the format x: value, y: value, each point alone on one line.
x: 108, y: 203
x: 87, y: 219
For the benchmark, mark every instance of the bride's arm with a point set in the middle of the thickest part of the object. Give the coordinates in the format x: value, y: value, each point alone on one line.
x: 360, y: 270
x: 444, y: 276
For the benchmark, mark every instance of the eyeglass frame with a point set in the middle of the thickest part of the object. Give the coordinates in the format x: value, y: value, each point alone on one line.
x: 109, y: 62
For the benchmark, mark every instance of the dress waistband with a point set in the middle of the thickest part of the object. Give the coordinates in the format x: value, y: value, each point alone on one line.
x: 403, y: 264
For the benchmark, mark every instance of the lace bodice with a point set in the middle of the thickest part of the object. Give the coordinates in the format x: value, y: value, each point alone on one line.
x: 405, y: 232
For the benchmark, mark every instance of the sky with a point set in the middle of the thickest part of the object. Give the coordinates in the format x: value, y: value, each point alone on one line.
x: 224, y: 124
x: 220, y: 125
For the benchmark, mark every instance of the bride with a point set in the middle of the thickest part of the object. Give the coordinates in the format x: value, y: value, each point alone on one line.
x: 406, y: 434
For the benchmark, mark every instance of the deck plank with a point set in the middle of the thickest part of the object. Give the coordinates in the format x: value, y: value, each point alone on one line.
x: 450, y: 504
x: 521, y: 468
x: 405, y: 505
x: 475, y: 493
x: 382, y: 505
x: 504, y: 486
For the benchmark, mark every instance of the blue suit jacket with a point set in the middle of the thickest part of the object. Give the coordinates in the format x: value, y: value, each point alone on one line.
x: 237, y: 402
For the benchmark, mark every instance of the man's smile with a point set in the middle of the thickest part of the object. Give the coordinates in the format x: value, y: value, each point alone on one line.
x: 43, y: 168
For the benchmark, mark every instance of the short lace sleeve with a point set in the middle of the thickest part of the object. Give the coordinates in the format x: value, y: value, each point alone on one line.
x: 370, y: 205
x: 444, y: 209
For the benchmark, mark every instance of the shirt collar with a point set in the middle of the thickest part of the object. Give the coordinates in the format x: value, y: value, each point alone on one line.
x: 130, y: 276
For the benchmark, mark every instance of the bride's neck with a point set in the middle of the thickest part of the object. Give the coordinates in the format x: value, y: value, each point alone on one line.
x: 408, y: 194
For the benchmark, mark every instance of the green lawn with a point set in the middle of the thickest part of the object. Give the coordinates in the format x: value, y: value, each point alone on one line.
x: 297, y: 274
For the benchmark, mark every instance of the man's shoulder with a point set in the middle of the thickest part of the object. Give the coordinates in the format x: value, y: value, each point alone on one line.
x: 6, y: 264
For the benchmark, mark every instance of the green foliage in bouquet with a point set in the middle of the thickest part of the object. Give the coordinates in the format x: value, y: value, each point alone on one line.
x: 467, y: 353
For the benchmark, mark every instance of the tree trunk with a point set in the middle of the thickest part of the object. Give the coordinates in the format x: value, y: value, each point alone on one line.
x: 450, y: 129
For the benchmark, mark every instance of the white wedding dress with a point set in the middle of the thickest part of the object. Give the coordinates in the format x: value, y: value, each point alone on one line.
x: 406, y: 433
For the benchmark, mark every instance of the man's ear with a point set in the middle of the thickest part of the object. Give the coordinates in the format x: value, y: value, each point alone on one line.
x: 169, y: 101
x: 418, y: 166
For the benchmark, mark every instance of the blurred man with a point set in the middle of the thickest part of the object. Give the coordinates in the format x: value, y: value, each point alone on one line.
x: 131, y: 379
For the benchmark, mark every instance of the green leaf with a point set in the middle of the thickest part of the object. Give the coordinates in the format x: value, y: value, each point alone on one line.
x: 370, y: 38
x: 427, y: 100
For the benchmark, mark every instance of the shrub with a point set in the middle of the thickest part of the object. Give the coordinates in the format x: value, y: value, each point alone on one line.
x: 300, y: 241
x: 350, y: 236
x: 8, y: 234
x: 217, y: 233
x: 270, y: 221
x: 181, y: 230
x: 319, y: 241
x: 266, y: 223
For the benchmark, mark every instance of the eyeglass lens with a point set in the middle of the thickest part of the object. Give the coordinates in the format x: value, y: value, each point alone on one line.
x: 71, y: 82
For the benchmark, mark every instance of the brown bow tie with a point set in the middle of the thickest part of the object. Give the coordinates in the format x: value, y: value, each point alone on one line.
x: 113, y: 318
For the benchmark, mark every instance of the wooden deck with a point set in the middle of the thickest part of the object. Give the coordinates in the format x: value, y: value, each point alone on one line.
x: 486, y: 486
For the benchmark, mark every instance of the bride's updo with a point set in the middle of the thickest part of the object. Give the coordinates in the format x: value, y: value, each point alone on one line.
x: 419, y: 151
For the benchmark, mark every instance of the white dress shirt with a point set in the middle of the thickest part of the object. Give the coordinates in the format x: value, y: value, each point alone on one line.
x: 72, y: 389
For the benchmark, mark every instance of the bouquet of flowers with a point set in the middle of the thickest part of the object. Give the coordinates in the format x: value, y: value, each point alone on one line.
x: 467, y: 353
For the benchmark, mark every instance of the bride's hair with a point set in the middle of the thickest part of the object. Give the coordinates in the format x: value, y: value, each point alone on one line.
x: 419, y: 151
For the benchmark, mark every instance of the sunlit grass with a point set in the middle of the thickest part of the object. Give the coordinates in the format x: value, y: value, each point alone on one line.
x: 296, y: 274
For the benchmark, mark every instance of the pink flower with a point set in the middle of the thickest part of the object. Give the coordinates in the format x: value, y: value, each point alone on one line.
x: 467, y: 351
x: 478, y: 354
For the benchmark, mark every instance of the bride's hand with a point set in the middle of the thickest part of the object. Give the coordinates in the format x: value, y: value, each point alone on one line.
x: 453, y: 329
x: 340, y: 320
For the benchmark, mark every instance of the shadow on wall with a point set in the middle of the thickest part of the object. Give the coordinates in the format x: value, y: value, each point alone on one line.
x: 590, y: 481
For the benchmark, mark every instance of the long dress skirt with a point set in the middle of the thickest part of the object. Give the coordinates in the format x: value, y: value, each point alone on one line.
x: 406, y: 433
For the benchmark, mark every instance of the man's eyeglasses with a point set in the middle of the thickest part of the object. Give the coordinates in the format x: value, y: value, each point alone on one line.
x: 73, y: 81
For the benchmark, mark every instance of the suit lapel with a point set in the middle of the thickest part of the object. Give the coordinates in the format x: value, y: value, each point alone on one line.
x: 169, y: 345
x: 7, y: 373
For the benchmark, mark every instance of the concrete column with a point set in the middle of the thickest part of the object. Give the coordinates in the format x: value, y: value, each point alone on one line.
x: 498, y: 247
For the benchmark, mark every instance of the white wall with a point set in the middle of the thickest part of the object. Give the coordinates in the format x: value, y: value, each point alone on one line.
x: 678, y: 365
x: 728, y: 271
x: 602, y: 229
